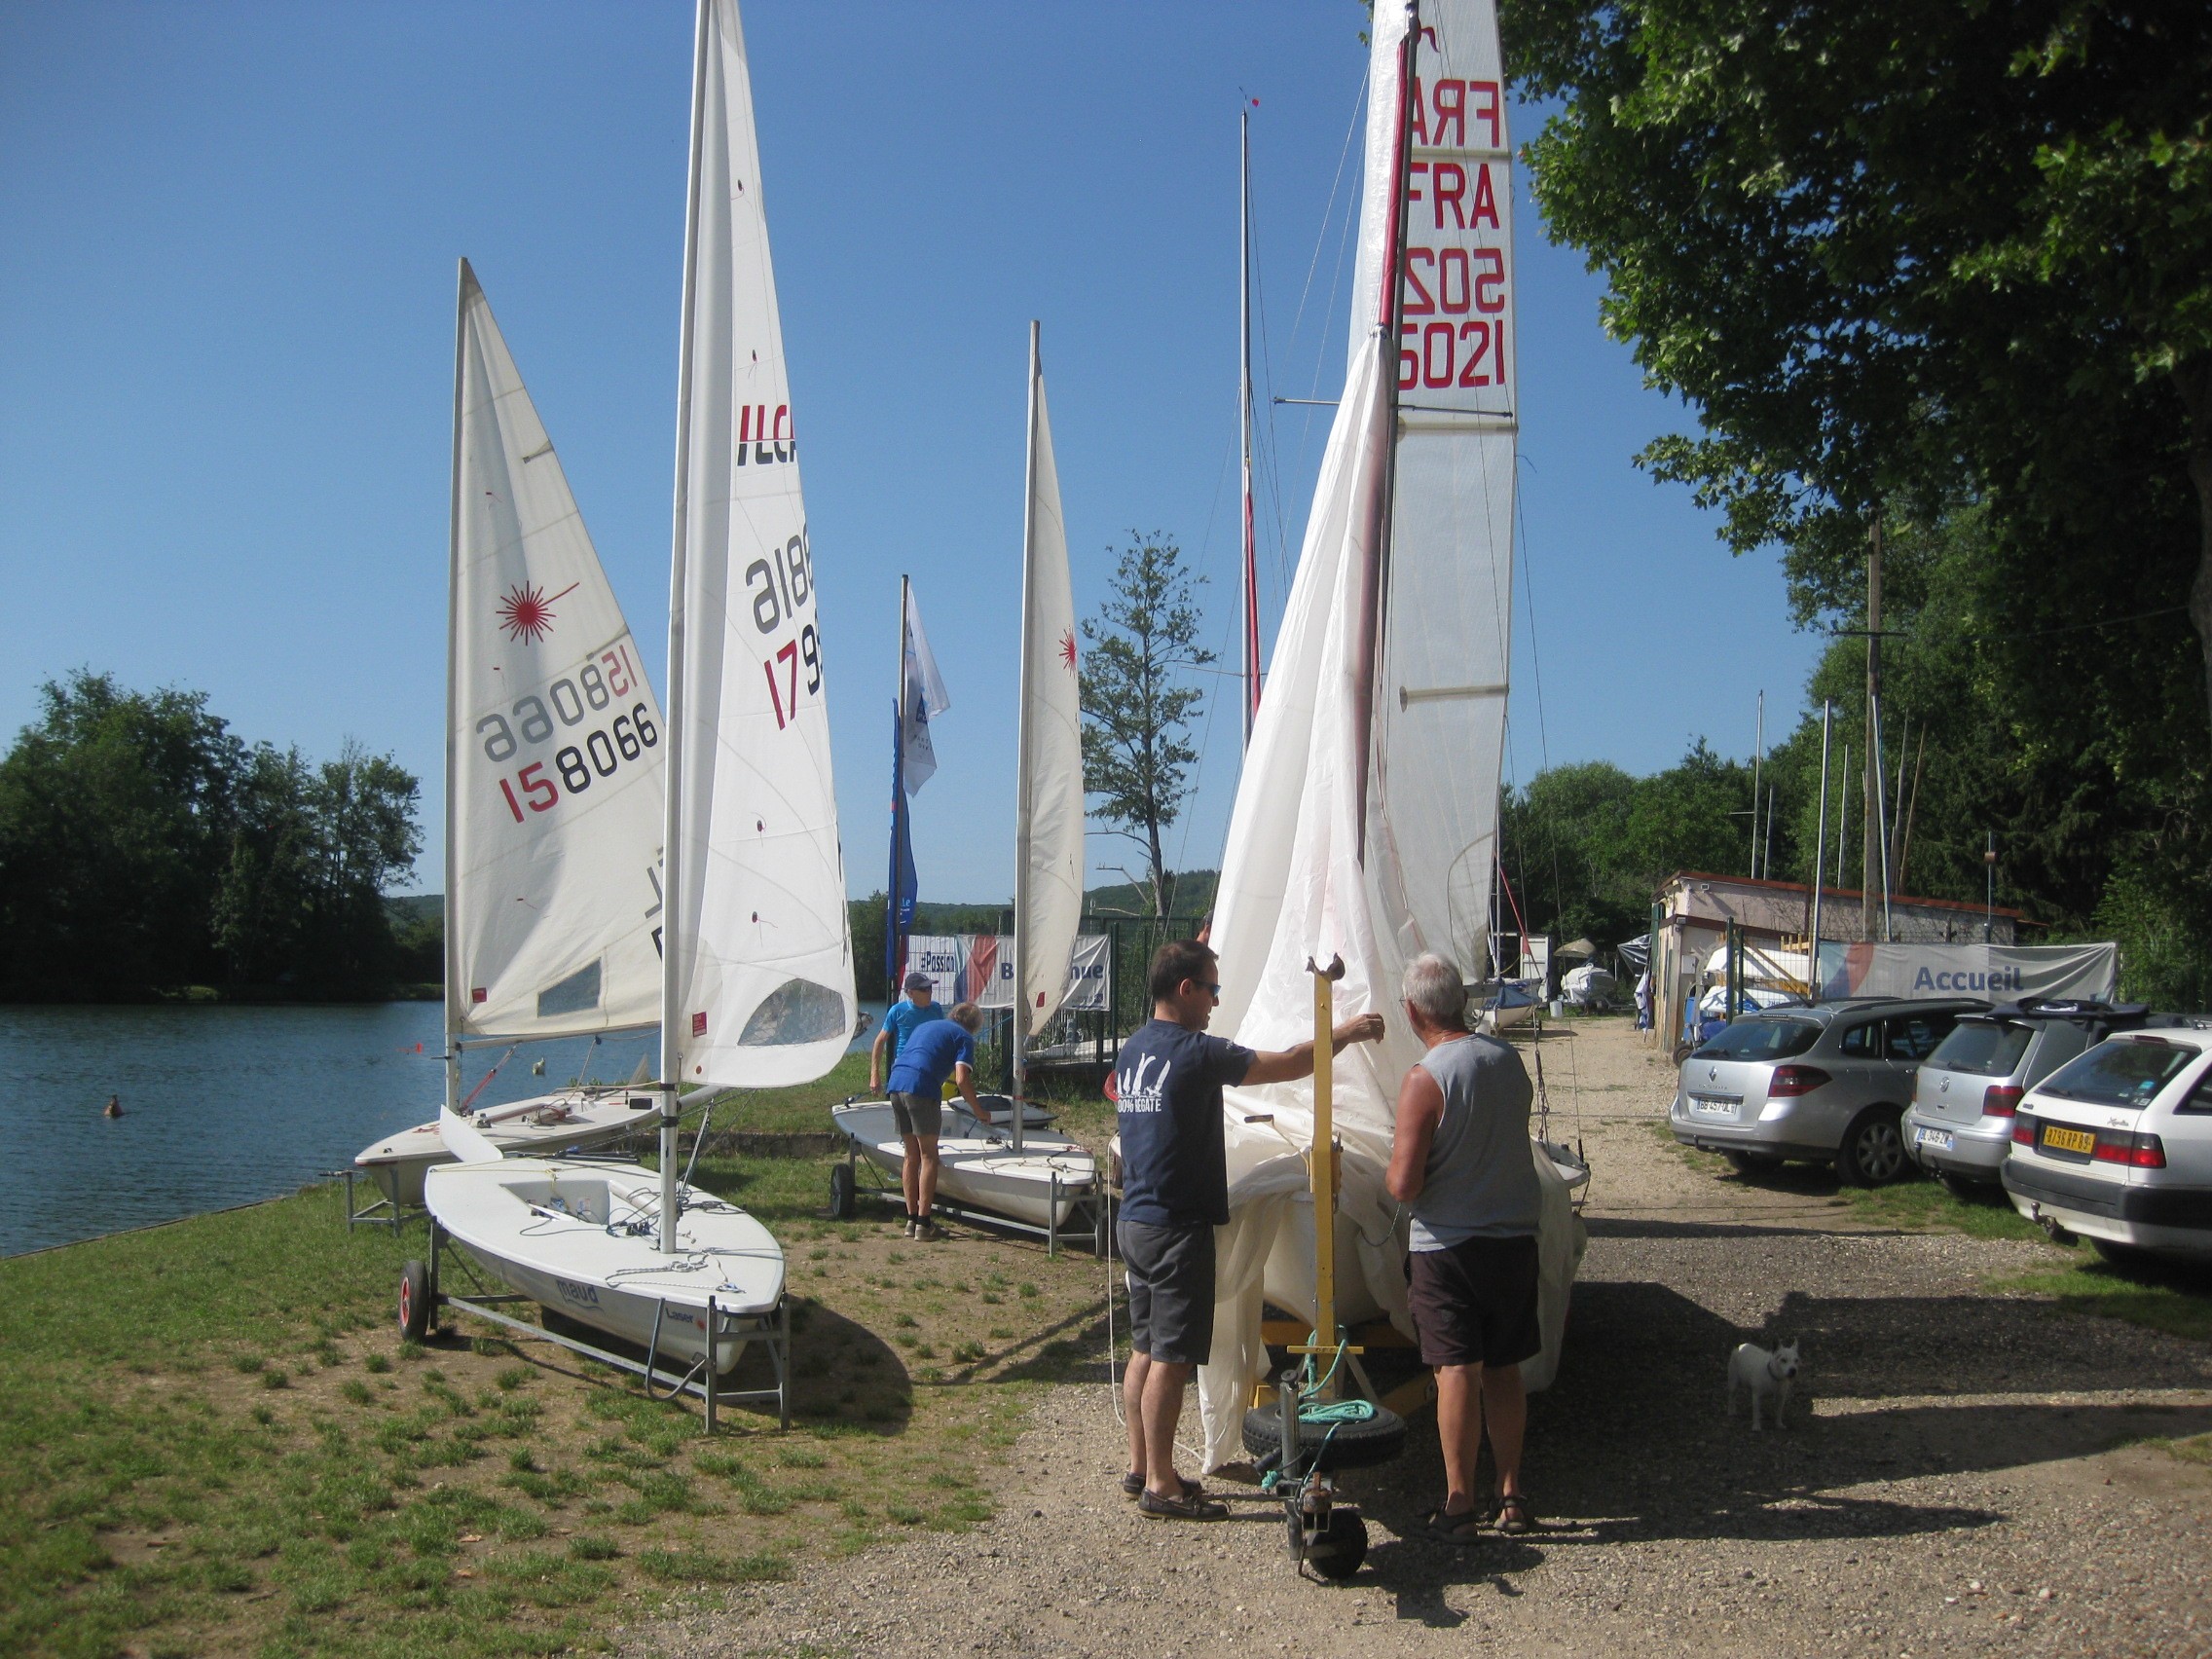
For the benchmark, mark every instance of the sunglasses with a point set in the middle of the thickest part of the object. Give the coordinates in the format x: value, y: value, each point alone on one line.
x: 1214, y: 991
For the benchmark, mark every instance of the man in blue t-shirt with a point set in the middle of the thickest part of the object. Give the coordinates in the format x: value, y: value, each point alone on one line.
x: 916, y: 1008
x: 1167, y: 1084
x: 937, y: 1050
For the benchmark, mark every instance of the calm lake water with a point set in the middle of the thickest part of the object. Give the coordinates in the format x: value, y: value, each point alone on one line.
x: 227, y: 1105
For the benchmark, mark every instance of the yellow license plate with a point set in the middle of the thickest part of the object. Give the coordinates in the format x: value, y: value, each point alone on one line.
x: 2056, y: 1139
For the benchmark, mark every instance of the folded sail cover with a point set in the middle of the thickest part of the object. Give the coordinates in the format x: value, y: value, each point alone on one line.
x: 761, y: 970
x: 553, y: 887
x: 1365, y: 821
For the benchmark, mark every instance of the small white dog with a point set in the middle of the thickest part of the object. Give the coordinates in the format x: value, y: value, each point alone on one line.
x: 1768, y: 1375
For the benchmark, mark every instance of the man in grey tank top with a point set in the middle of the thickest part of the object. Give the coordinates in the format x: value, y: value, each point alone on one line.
x: 1461, y: 1162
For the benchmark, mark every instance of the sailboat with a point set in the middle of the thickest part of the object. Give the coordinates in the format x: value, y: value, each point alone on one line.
x: 756, y: 982
x: 1030, y: 1175
x: 553, y: 777
x: 1366, y: 816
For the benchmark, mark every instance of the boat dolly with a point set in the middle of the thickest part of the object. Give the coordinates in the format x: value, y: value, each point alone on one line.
x: 423, y: 1297
x: 1093, y: 1204
x: 1310, y: 1431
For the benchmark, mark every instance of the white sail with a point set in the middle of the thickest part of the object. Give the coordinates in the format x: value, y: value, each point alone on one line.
x: 1048, y: 805
x: 759, y: 967
x: 554, y: 769
x: 1365, y: 820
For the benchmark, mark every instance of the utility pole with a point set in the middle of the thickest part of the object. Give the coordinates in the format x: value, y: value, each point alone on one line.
x: 1870, y: 850
x: 1758, y: 755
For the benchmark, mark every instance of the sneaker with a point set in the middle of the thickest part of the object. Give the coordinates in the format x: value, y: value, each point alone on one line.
x: 913, y: 1228
x: 928, y: 1231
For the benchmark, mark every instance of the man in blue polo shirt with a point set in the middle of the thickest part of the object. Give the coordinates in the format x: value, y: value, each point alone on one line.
x: 917, y: 1008
x: 1167, y: 1083
x: 936, y: 1050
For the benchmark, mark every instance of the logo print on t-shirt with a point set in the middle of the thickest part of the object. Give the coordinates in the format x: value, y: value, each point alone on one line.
x: 1138, y: 1095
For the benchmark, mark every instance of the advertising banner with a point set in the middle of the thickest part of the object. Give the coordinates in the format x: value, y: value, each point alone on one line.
x: 1995, y: 972
x: 979, y: 967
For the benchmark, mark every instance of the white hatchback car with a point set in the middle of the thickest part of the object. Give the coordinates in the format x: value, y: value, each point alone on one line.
x: 2117, y: 1145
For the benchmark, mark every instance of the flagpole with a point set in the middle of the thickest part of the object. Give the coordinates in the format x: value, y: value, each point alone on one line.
x: 891, y: 929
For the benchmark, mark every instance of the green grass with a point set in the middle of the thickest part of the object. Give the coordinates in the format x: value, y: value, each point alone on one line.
x: 217, y: 1442
x: 2172, y: 1300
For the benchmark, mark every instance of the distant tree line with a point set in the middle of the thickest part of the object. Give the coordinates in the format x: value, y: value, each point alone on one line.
x: 145, y: 848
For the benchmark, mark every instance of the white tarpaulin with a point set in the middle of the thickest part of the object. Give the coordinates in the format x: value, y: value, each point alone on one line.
x: 979, y: 967
x: 554, y: 775
x: 1997, y: 972
x: 760, y: 956
x: 1364, y: 820
x: 1762, y: 966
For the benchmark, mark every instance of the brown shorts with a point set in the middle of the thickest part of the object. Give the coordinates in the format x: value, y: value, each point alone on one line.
x: 1475, y: 1302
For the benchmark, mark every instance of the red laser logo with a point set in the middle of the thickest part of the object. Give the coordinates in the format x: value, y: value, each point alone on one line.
x: 526, y: 614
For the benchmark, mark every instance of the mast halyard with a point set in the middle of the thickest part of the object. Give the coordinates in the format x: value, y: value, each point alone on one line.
x: 676, y: 717
x: 455, y: 989
x: 1251, y: 573
x: 1023, y: 770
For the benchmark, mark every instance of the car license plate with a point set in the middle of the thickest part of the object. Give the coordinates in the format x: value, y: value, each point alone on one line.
x: 1713, y: 1107
x: 1939, y: 1139
x: 2081, y: 1142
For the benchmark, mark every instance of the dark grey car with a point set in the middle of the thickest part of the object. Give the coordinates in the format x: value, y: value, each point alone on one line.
x: 1827, y: 1084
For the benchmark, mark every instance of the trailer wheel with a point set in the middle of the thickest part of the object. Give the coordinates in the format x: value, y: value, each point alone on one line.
x: 1353, y: 1446
x: 844, y: 1195
x: 1338, y: 1552
x: 415, y: 1309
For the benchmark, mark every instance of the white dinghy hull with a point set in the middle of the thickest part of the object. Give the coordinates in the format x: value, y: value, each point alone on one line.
x: 576, y: 1237
x: 572, y: 1120
x: 978, y: 1168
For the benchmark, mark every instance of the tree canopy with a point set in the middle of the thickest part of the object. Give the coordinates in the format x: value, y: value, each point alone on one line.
x: 144, y: 846
x: 1897, y: 256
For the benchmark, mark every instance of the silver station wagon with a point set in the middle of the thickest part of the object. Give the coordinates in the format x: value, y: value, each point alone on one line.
x: 1959, y: 1127
x: 1827, y: 1084
x: 2116, y: 1146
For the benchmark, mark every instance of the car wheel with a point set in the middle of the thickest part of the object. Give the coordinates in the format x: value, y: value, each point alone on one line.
x: 1752, y: 1162
x: 1873, y: 1152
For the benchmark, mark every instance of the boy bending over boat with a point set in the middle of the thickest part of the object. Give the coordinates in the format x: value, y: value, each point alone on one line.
x: 931, y: 1053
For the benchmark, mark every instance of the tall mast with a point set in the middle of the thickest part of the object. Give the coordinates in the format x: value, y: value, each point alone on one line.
x: 677, y: 715
x: 1022, y: 769
x: 1244, y: 417
x: 455, y: 989
x: 1375, y: 577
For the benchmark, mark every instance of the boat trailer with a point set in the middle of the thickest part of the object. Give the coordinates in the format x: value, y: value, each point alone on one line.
x: 1093, y: 1204
x: 423, y: 1297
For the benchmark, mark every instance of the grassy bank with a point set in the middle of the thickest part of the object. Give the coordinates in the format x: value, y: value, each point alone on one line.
x: 217, y: 1443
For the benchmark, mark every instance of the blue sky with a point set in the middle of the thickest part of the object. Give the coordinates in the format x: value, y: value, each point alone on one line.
x: 226, y: 295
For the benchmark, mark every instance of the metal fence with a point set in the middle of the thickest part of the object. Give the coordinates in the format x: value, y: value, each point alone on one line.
x: 1080, y: 1047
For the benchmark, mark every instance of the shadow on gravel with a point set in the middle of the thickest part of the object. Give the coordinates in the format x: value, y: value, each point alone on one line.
x: 1634, y: 1441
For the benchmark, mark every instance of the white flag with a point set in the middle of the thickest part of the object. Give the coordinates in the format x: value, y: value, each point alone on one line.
x: 926, y: 698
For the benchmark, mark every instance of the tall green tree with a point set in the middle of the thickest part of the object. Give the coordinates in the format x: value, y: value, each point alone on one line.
x: 1899, y: 256
x: 1137, y: 703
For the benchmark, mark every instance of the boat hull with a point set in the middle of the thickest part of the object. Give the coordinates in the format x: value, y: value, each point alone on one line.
x: 977, y: 1168
x: 542, y: 1125
x: 576, y: 1237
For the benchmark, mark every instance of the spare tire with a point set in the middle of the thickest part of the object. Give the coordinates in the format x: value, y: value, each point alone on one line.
x: 1352, y: 1446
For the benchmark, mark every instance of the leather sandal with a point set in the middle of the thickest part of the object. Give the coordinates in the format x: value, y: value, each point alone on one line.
x: 1132, y: 1485
x: 1514, y: 1517
x: 1192, y: 1505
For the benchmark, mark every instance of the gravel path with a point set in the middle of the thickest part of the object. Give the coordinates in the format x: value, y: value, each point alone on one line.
x: 1950, y: 1486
